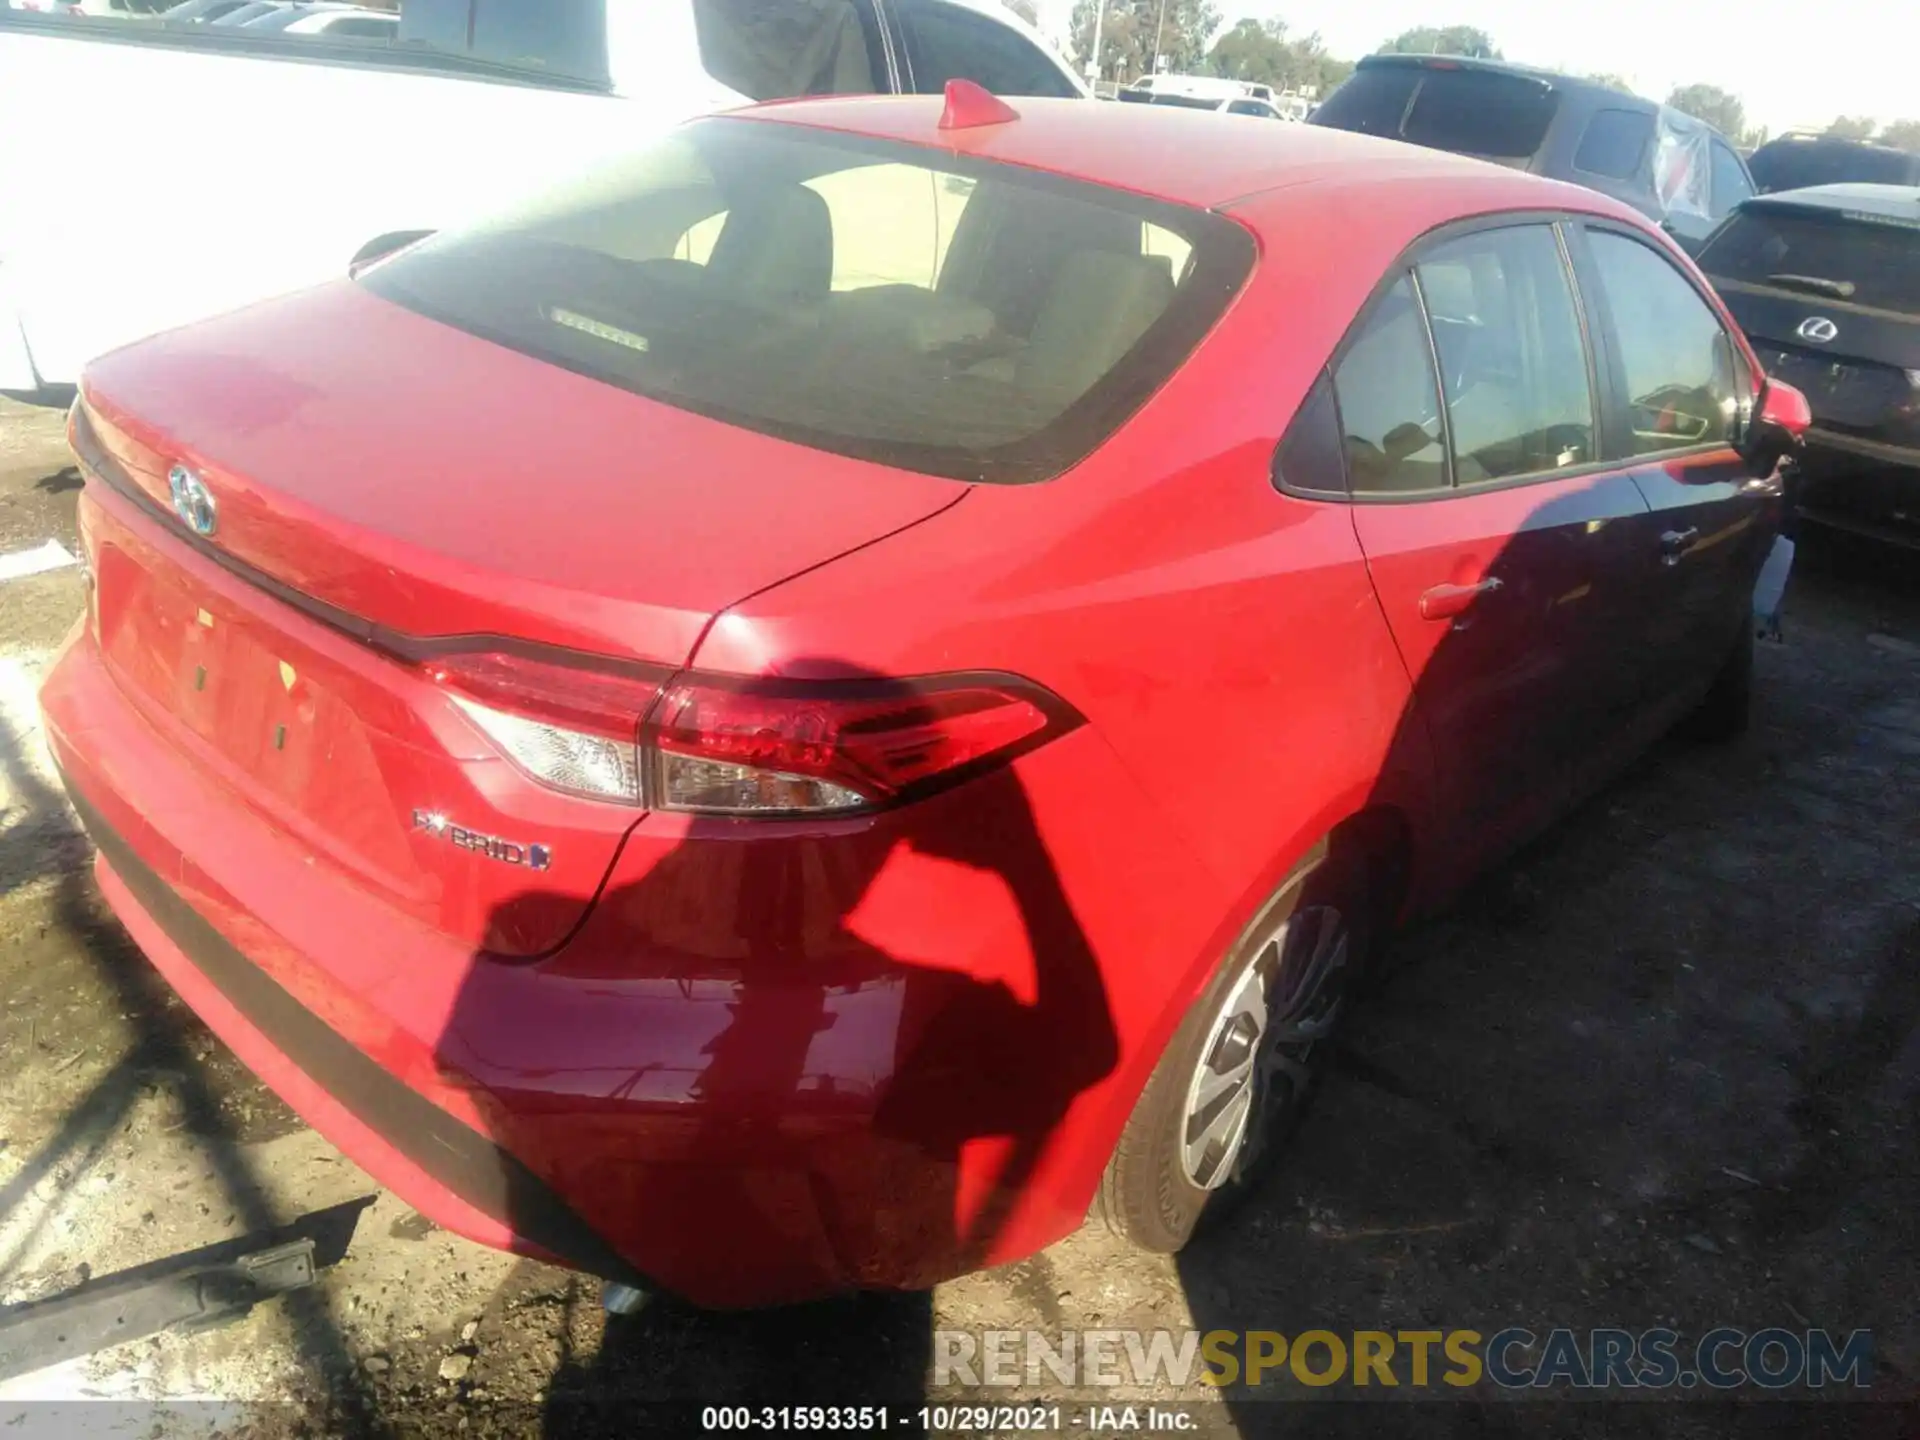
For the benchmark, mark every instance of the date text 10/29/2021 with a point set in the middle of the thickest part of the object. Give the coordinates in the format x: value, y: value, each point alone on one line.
x: 951, y: 1419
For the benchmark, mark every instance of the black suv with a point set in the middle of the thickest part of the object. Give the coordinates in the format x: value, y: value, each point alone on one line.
x: 1667, y: 165
x: 1826, y: 281
x: 1798, y: 160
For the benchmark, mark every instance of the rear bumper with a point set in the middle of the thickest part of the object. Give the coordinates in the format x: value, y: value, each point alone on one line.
x: 469, y: 1183
x: 1863, y: 486
x: 790, y: 1124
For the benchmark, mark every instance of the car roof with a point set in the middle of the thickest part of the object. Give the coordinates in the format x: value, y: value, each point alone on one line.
x: 1198, y: 158
x: 1889, y: 202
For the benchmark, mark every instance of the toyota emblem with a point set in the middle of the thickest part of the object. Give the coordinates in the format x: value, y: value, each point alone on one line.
x: 1818, y: 329
x: 192, y: 501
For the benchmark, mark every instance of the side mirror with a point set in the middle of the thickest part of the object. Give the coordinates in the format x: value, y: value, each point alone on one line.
x: 381, y: 246
x: 1780, y: 419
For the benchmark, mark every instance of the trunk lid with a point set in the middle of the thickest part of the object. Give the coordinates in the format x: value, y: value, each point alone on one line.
x: 376, y: 475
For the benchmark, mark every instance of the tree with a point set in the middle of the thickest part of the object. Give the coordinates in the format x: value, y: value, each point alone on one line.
x: 1902, y: 135
x: 1135, y: 31
x: 1261, y: 52
x: 1443, y: 40
x: 1253, y: 50
x: 1610, y: 80
x: 1715, y: 106
x: 1027, y: 10
x: 1850, y: 127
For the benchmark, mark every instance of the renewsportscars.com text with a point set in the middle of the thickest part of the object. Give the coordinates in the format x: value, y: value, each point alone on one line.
x: 1514, y: 1358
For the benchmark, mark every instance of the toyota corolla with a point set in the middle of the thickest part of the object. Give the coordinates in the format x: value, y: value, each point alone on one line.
x: 827, y: 700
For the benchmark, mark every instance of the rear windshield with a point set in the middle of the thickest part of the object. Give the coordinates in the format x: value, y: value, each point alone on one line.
x: 1862, y: 260
x: 894, y: 303
x: 1798, y: 166
x: 1471, y: 112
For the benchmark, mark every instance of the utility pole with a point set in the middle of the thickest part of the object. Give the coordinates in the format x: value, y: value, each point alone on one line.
x: 1099, y: 23
x: 1159, y: 28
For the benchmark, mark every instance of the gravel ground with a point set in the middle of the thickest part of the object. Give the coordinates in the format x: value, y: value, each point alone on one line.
x: 1662, y: 1069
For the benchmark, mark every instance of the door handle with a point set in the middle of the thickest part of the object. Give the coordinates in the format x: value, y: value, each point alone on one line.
x: 1443, y: 602
x: 1674, y: 543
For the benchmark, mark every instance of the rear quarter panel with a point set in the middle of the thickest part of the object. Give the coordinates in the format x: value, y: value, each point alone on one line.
x: 1222, y: 638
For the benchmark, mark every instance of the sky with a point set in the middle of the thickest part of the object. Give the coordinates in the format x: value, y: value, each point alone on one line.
x: 1795, y: 64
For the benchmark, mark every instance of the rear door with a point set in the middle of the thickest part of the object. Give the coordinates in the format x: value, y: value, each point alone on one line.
x: 1682, y: 390
x: 1497, y: 537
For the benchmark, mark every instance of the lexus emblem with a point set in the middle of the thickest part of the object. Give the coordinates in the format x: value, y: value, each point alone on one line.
x: 1818, y: 329
x: 192, y: 501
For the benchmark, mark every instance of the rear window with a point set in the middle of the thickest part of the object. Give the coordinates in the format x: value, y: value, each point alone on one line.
x: 1861, y: 260
x: 889, y: 302
x: 1798, y: 165
x: 1472, y: 112
x: 1615, y: 143
x: 564, y: 37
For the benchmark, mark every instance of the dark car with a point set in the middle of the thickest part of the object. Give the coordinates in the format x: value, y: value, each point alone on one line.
x: 1800, y: 160
x: 1667, y: 165
x: 1826, y: 281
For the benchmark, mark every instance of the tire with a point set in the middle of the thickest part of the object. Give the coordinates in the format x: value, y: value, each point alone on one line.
x: 1169, y: 1177
x: 1727, y: 710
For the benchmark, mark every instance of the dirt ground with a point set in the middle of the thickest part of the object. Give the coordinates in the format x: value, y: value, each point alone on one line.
x: 1665, y: 1068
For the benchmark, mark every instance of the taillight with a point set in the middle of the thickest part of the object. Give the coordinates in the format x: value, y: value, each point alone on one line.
x: 724, y: 748
x: 570, y: 727
x: 715, y: 745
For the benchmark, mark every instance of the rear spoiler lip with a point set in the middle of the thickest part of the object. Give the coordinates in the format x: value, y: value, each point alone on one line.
x: 1456, y: 62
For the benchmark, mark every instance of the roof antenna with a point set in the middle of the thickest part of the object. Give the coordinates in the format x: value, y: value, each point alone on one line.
x: 970, y: 105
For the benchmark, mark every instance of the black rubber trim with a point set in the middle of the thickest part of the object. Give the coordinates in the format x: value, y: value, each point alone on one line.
x: 458, y: 1157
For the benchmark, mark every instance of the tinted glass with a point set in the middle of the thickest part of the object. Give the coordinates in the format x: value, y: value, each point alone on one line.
x: 945, y: 42
x: 1512, y: 361
x: 1796, y: 164
x: 1682, y: 377
x: 1250, y: 107
x: 775, y: 49
x: 1373, y: 101
x: 1874, y: 263
x: 568, y: 36
x: 561, y: 37
x: 1730, y: 183
x: 1480, y: 114
x: 1473, y: 112
x: 370, y: 26
x: 822, y: 289
x: 1615, y: 143
x: 1310, y: 457
x: 1389, y: 404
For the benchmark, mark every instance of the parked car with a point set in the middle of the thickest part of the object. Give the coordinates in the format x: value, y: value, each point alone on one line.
x: 1826, y: 282
x: 324, y: 19
x: 1667, y: 165
x: 1800, y: 160
x: 754, y: 730
x: 348, y: 22
x: 1206, y: 92
x: 247, y: 14
x: 1229, y: 105
x: 520, y: 92
x: 202, y: 11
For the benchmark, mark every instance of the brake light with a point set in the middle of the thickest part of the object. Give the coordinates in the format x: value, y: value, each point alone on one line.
x: 726, y: 749
x: 716, y: 745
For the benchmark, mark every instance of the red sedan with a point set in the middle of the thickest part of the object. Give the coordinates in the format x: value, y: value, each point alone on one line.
x: 812, y: 706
